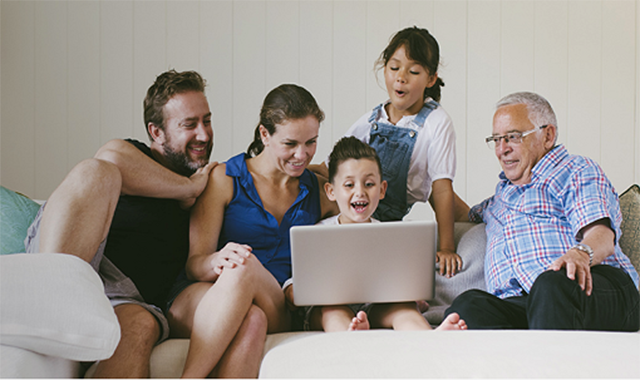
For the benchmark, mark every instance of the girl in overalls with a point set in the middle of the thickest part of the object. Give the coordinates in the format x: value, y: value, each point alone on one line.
x: 414, y: 137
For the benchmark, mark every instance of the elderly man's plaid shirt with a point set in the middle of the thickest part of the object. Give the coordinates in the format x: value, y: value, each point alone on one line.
x: 530, y: 226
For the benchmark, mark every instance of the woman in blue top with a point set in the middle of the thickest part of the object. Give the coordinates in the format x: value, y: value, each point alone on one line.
x: 239, y: 239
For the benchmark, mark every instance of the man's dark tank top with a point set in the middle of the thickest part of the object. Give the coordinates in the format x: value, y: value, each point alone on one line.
x: 149, y: 241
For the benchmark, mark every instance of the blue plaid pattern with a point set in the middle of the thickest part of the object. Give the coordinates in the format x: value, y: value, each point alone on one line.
x: 530, y: 226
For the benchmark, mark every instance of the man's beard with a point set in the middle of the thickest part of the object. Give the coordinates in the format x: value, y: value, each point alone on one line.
x: 180, y: 162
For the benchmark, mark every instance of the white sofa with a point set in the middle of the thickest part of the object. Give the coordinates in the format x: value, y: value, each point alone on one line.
x: 54, y: 316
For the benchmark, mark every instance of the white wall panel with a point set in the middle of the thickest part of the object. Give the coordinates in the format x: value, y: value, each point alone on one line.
x: 636, y: 160
x: 216, y: 66
x: 74, y: 73
x: 350, y: 65
x: 551, y: 59
x: 450, y: 30
x: 17, y: 35
x: 585, y: 78
x: 116, y: 70
x: 83, y: 75
x: 249, y: 74
x: 617, y: 95
x: 517, y: 46
x: 149, y: 56
x: 316, y: 65
x: 383, y: 21
x: 483, y: 90
x: 419, y: 13
x: 183, y: 34
x: 50, y: 95
x: 282, y: 43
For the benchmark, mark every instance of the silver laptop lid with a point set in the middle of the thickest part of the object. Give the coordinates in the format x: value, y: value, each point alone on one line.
x: 364, y: 262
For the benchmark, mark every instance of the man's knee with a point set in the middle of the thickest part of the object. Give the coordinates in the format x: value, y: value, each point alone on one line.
x: 556, y: 302
x: 553, y: 287
x: 95, y: 175
x: 137, y: 324
x: 468, y: 303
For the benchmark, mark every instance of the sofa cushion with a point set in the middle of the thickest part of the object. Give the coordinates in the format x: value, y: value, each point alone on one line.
x: 470, y: 239
x: 456, y: 354
x: 16, y: 214
x: 54, y: 304
x: 630, y: 239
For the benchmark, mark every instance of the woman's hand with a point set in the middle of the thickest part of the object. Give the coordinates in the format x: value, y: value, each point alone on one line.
x: 230, y: 256
x: 450, y: 263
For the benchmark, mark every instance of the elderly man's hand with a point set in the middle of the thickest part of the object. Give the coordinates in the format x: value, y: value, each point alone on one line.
x: 576, y: 263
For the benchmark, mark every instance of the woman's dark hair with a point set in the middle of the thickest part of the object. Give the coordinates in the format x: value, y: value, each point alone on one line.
x: 285, y: 102
x: 164, y: 88
x: 347, y: 148
x: 421, y: 47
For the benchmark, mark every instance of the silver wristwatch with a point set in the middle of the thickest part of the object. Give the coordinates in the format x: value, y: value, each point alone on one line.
x: 586, y: 249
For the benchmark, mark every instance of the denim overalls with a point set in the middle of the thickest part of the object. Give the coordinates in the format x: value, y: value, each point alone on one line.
x: 394, y: 146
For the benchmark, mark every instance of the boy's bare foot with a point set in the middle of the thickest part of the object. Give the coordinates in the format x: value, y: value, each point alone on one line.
x: 452, y: 322
x: 359, y: 322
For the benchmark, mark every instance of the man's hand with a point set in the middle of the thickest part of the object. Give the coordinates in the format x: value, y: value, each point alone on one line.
x: 576, y: 263
x: 198, y: 181
x: 450, y: 263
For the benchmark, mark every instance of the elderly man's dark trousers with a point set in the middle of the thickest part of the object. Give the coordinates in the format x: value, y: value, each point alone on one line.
x: 557, y: 302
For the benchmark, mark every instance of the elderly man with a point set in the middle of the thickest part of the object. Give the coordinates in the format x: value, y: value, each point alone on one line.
x: 553, y: 259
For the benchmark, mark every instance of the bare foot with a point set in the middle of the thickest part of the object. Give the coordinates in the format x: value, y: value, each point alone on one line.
x: 422, y: 306
x: 359, y: 322
x: 452, y: 322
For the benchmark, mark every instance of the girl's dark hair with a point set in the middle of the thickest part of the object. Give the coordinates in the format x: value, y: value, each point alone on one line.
x: 164, y: 88
x: 285, y: 102
x: 347, y: 148
x: 421, y: 47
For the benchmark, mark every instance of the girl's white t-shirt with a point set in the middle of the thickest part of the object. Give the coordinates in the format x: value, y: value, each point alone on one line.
x: 434, y: 153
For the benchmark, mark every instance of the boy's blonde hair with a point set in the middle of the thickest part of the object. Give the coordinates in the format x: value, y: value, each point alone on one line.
x: 347, y: 148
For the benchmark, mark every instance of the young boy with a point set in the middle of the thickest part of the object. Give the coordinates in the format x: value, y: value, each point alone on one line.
x: 356, y: 185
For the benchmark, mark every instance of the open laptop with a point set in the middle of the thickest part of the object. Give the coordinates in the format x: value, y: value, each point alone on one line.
x: 363, y: 262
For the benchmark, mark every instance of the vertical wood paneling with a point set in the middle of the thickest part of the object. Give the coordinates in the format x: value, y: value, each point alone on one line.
x: 50, y: 95
x: 149, y: 56
x: 316, y: 70
x: 216, y: 66
x: 585, y: 78
x: 617, y: 95
x: 282, y: 43
x: 17, y: 153
x: 74, y: 73
x: 483, y: 91
x: 517, y: 42
x: 83, y: 74
x: 636, y: 161
x: 116, y: 69
x: 383, y: 21
x: 450, y: 30
x: 183, y: 35
x: 350, y: 66
x: 419, y: 13
x: 249, y: 74
x: 551, y: 61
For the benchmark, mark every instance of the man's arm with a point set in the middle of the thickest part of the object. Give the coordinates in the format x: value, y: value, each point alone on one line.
x: 601, y: 238
x: 142, y: 176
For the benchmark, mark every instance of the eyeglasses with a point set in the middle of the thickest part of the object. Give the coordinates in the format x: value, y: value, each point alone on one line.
x: 511, y: 137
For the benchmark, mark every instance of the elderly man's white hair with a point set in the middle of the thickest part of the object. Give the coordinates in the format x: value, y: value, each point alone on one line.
x: 540, y: 111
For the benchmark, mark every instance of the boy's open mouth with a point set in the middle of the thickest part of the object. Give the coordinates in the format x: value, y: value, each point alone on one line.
x: 360, y: 206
